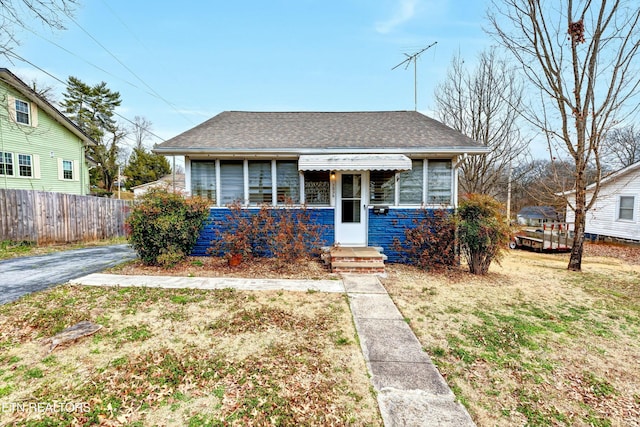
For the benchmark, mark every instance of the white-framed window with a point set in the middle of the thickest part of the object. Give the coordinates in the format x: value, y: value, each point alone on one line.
x: 382, y: 187
x: 260, y: 182
x: 67, y: 169
x: 203, y: 179
x: 439, y: 182
x: 287, y: 181
x: 231, y: 182
x: 6, y: 163
x: 317, y: 188
x: 626, y: 205
x: 23, y: 112
x: 25, y: 165
x: 411, y: 184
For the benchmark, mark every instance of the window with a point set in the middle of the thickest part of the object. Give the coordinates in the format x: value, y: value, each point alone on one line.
x: 411, y: 184
x: 288, y: 180
x: 382, y: 187
x: 231, y: 182
x: 22, y: 112
x: 67, y: 169
x: 439, y: 182
x: 316, y: 188
x: 260, y: 182
x: 203, y: 179
x: 625, y: 209
x: 6, y: 163
x: 25, y: 167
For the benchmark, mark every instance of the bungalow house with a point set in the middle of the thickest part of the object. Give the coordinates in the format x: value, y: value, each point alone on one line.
x: 40, y: 148
x: 536, y: 215
x: 615, y: 213
x: 365, y: 175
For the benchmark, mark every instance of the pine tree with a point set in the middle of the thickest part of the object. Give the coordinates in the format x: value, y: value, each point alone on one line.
x: 145, y: 167
x: 92, y: 108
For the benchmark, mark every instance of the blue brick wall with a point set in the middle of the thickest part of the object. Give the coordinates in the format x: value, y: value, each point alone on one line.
x: 217, y: 216
x: 383, y: 229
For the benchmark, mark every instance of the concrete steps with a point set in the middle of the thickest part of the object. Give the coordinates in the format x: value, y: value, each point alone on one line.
x: 360, y: 260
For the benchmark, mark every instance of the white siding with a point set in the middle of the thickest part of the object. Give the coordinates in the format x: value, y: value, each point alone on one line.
x: 602, y: 218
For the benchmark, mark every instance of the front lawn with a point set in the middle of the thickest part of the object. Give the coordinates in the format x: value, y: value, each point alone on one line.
x: 183, y: 357
x: 532, y: 343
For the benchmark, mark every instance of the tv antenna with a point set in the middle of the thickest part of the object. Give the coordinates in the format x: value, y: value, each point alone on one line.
x: 406, y: 64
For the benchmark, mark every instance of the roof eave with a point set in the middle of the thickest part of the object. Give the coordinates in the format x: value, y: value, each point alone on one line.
x: 454, y: 151
x: 45, y: 105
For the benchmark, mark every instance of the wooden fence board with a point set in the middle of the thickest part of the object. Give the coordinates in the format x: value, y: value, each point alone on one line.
x: 46, y: 217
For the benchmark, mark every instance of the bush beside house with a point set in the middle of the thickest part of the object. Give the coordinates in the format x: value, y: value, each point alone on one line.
x: 164, y: 226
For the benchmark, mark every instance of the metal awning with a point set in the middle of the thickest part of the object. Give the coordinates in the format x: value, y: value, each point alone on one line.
x: 353, y: 162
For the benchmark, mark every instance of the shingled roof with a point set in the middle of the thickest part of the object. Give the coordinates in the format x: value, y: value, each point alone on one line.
x: 305, y: 132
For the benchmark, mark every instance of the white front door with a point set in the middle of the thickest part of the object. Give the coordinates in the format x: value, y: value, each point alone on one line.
x: 351, y: 208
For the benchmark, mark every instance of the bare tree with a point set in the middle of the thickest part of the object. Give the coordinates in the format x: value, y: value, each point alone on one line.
x: 621, y: 147
x: 23, y: 13
x: 484, y: 104
x: 141, y: 131
x: 581, y: 57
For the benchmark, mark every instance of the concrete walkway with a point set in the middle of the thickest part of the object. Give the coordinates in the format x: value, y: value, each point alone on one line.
x: 410, y: 390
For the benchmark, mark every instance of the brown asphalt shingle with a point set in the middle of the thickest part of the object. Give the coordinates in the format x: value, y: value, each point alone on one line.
x: 293, y: 131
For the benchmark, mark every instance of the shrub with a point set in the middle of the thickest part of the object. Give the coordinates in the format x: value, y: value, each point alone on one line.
x: 164, y: 226
x: 286, y: 233
x: 431, y: 242
x: 482, y: 230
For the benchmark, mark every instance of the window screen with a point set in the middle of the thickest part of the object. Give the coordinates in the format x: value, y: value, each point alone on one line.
x: 382, y: 187
x: 288, y: 181
x: 439, y: 182
x: 203, y: 179
x: 231, y: 182
x: 316, y: 188
x: 411, y: 184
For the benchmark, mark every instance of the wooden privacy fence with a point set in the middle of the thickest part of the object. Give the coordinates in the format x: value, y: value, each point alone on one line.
x: 45, y: 217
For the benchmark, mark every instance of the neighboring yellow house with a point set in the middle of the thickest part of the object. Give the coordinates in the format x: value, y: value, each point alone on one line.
x: 40, y: 148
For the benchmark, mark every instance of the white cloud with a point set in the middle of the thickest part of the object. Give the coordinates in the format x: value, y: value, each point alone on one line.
x: 405, y: 11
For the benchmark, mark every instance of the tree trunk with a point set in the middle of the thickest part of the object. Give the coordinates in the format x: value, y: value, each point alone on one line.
x: 575, y: 261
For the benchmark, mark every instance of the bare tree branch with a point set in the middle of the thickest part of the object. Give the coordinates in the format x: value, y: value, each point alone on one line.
x: 583, y: 58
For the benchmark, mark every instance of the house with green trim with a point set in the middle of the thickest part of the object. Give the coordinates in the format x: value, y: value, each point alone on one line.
x: 40, y: 148
x: 364, y: 176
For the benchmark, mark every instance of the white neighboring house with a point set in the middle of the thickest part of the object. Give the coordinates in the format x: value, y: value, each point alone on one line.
x: 167, y: 182
x: 616, y: 213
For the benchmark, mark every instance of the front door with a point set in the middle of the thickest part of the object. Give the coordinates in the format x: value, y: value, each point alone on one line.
x: 351, y: 209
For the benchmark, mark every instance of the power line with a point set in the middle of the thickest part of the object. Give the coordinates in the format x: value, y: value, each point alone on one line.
x: 129, y: 69
x: 20, y: 58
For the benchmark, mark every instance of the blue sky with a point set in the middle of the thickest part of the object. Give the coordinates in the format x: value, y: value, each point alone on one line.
x: 179, y: 63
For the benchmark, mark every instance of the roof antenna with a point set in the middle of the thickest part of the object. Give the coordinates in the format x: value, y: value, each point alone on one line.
x: 406, y: 64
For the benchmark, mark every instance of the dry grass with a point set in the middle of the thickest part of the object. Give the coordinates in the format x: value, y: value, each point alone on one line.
x: 532, y: 343
x: 185, y: 357
x: 263, y: 268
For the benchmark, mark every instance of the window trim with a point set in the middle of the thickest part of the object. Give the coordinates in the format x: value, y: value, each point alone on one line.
x: 31, y: 166
x: 12, y: 164
x: 27, y: 104
x: 619, y: 209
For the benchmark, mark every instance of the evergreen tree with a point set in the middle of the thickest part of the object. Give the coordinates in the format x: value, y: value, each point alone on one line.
x: 145, y: 167
x: 92, y: 108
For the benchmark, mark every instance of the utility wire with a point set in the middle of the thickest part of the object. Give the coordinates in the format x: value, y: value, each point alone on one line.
x: 130, y: 70
x: 20, y: 58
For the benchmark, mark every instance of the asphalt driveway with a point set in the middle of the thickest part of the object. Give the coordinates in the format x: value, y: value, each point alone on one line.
x: 20, y: 276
